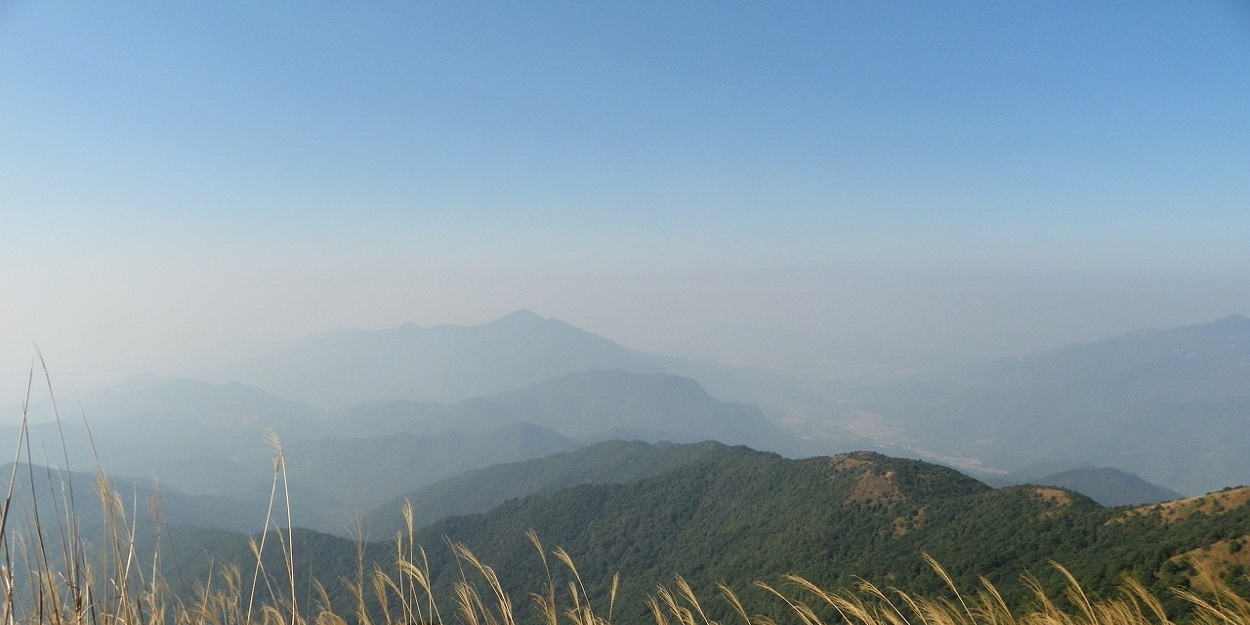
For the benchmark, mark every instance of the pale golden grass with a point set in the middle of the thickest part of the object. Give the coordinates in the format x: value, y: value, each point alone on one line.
x: 1055, y: 496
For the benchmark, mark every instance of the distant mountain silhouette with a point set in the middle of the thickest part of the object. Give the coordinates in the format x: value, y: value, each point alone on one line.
x: 1110, y: 487
x: 445, y: 363
x: 56, y: 489
x: 364, y: 472
x: 212, y: 439
x: 590, y: 406
x: 620, y: 404
x: 171, y: 428
x: 1169, y: 405
x: 1172, y: 406
x: 344, y: 369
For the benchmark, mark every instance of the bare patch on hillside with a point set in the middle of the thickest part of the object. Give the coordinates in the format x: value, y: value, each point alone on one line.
x: 871, y: 484
x: 1053, y: 496
x: 846, y: 462
x: 873, y: 487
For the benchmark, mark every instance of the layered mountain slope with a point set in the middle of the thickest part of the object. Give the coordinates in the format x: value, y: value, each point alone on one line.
x: 618, y: 404
x: 1168, y: 405
x: 445, y: 363
x: 591, y: 406
x: 214, y: 439
x: 1110, y: 487
x: 1172, y: 406
x: 174, y: 429
x: 364, y: 472
x: 52, y: 495
x: 609, y: 462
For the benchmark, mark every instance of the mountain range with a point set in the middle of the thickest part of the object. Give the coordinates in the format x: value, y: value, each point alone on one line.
x: 490, y: 431
x: 1168, y: 405
x: 1172, y: 406
x: 445, y: 363
x: 213, y: 439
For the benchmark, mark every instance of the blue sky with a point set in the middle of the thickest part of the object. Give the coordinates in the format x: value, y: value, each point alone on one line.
x: 175, y: 177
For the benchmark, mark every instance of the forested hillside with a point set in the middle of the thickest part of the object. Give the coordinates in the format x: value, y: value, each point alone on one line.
x: 733, y: 515
x: 746, y: 515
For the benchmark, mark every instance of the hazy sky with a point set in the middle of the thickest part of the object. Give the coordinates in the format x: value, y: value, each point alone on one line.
x: 180, y: 179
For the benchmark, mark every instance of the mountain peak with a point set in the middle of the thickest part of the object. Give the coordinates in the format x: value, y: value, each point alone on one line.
x: 446, y: 363
x: 524, y: 316
x: 875, y: 478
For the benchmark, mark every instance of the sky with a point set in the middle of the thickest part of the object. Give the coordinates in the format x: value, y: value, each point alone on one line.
x: 180, y: 181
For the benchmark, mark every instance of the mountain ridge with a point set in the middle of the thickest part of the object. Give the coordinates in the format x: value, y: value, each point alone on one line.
x: 609, y: 462
x: 445, y: 363
x: 744, y: 515
x: 1115, y: 402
